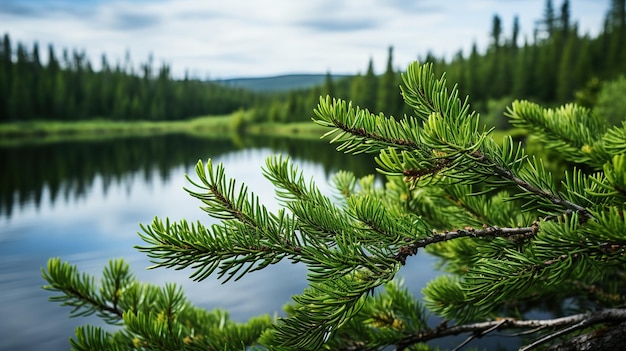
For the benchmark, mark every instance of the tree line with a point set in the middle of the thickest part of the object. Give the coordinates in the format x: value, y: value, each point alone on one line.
x: 70, y: 89
x: 557, y: 65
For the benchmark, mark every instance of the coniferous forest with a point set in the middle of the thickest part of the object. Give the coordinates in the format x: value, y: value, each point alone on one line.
x: 68, y: 88
x: 558, y: 64
x: 483, y: 164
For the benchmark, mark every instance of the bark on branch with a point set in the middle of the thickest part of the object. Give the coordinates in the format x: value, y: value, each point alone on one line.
x: 568, y: 324
x: 613, y: 318
x: 492, y: 232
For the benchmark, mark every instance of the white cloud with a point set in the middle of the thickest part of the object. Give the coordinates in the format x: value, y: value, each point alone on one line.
x: 254, y: 38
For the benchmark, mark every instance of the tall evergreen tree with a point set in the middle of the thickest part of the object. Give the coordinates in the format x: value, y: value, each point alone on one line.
x: 389, y: 89
x: 370, y: 85
x: 19, y: 100
x: 37, y: 84
x: 515, y: 34
x: 475, y: 84
x: 6, y: 73
x: 496, y: 76
x: 496, y: 32
x: 357, y: 90
x: 566, y: 78
x: 548, y: 22
x: 329, y: 86
x: 521, y: 72
x: 616, y: 19
x: 564, y: 19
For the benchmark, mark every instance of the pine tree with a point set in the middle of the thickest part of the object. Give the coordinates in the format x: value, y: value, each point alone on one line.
x: 475, y: 84
x: 515, y: 34
x: 548, y: 22
x: 508, y: 234
x: 6, y: 69
x: 19, y: 102
x: 566, y: 78
x: 357, y: 87
x: 388, y: 89
x: 564, y: 20
x: 370, y: 88
x: 328, y: 87
x: 616, y: 18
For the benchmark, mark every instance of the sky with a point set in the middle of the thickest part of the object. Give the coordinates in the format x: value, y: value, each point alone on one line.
x: 218, y: 39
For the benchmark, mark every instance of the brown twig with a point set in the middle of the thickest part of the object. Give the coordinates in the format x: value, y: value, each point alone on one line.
x: 493, y: 232
x: 566, y: 325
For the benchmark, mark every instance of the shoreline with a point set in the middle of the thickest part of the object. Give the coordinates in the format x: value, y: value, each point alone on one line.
x: 35, y: 132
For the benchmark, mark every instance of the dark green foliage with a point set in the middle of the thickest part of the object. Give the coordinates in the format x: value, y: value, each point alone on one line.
x: 610, y: 103
x: 549, y: 68
x: 509, y: 234
x: 154, y: 318
x: 72, y: 90
x: 389, y: 97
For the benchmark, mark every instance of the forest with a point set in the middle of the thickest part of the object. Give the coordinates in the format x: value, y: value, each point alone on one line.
x: 514, y: 235
x: 557, y: 65
x: 70, y: 89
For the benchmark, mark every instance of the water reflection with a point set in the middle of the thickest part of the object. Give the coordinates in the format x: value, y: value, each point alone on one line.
x: 67, y: 169
x: 83, y: 202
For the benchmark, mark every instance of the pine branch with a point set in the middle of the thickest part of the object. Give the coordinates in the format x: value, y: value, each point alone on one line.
x: 353, y: 246
x: 79, y: 291
x: 564, y: 325
x: 548, y: 195
x: 448, y: 143
x: 572, y: 130
x: 360, y: 131
x: 150, y: 318
x: 469, y: 232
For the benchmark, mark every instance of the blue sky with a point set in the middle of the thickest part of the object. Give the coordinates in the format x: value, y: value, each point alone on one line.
x: 245, y: 38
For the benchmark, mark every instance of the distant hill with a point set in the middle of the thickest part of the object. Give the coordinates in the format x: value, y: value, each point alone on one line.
x: 278, y: 83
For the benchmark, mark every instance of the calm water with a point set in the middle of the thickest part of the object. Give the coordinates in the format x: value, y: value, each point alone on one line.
x: 84, y: 201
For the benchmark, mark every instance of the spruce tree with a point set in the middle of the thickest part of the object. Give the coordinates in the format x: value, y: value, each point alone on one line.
x: 6, y: 72
x: 370, y: 88
x: 329, y: 86
x: 388, y: 91
x: 507, y: 233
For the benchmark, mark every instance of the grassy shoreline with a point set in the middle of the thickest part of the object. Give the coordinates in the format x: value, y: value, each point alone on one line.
x: 36, y: 132
x: 204, y: 126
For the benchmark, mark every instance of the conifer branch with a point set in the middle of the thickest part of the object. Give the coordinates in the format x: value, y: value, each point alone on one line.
x: 470, y: 232
x: 442, y: 171
x: 566, y: 324
x: 563, y: 325
x: 447, y: 143
x: 78, y: 291
x: 555, y: 199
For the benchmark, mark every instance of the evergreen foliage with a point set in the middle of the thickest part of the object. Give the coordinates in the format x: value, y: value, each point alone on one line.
x: 507, y: 232
x: 610, y: 103
x: 549, y: 68
x: 154, y: 318
x: 71, y: 89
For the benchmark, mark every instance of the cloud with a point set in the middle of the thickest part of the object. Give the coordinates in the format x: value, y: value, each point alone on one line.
x: 418, y: 7
x: 339, y: 25
x: 254, y: 38
x: 38, y: 8
x: 131, y: 21
x: 13, y: 7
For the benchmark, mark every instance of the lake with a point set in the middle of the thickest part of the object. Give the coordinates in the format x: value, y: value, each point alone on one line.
x: 83, y: 202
